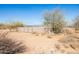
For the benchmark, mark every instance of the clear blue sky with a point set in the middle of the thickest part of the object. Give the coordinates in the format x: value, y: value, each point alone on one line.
x: 32, y: 14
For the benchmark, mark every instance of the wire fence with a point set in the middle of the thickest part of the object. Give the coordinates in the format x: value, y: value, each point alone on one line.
x: 31, y: 29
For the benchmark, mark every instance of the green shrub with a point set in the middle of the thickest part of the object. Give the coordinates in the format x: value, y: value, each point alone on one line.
x: 14, y: 25
x: 18, y: 24
x: 54, y: 22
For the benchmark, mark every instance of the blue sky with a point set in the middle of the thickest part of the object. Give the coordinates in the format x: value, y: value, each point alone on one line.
x: 32, y: 14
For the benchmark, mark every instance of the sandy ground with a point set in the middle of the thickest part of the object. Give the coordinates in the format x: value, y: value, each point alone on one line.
x: 37, y: 43
x: 40, y: 43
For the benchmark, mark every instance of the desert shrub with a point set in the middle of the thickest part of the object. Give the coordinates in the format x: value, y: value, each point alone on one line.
x: 4, y: 34
x: 43, y: 33
x: 68, y: 39
x: 68, y: 31
x: 54, y: 22
x: 57, y: 46
x: 3, y: 26
x: 62, y: 51
x: 49, y: 36
x: 9, y: 46
x: 18, y: 24
x: 33, y: 32
x: 76, y: 23
x: 14, y: 25
x: 37, y: 34
x: 72, y: 46
x: 71, y: 42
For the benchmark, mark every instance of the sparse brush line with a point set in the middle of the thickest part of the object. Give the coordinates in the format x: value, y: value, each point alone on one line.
x: 4, y: 34
x: 72, y: 46
x: 75, y: 37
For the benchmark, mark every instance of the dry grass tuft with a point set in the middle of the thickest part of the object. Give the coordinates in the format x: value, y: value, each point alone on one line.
x: 43, y: 33
x: 57, y: 46
x: 33, y: 32
x: 71, y: 42
x: 49, y: 36
x: 9, y: 46
x: 37, y: 34
x: 72, y: 46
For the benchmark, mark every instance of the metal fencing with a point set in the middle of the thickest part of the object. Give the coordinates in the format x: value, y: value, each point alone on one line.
x: 31, y: 29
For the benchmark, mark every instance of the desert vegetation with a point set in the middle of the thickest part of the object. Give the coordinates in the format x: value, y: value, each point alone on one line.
x: 9, y: 46
x: 11, y: 26
x: 54, y: 21
x: 71, y: 43
x: 56, y: 38
x: 76, y: 24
